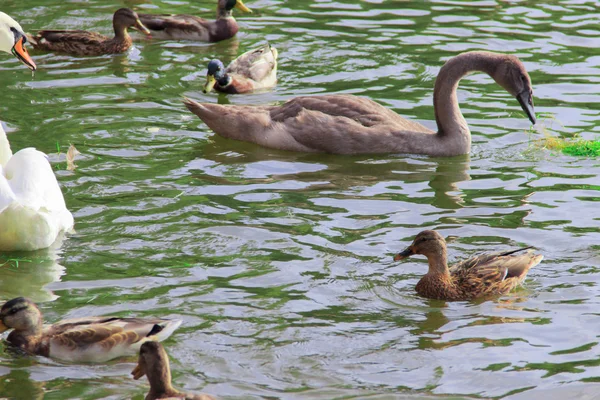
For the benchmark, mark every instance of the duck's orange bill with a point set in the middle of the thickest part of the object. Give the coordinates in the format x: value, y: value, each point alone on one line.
x: 3, y: 327
x: 21, y: 53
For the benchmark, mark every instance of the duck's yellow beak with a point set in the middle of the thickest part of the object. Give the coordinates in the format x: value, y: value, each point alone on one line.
x: 210, y: 83
x: 140, y: 27
x: 3, y: 327
x: 138, y: 372
x: 21, y: 53
x: 240, y: 6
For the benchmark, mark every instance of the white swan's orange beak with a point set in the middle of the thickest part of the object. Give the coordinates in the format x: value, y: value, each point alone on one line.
x: 21, y: 53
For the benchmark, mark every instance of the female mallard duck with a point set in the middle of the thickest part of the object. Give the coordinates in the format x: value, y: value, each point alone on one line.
x: 188, y: 27
x: 253, y: 70
x: 154, y: 363
x: 84, y: 43
x: 347, y: 124
x: 92, y: 339
x: 13, y: 39
x: 484, y: 275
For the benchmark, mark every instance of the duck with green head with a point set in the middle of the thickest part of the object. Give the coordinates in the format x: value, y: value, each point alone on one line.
x: 189, y: 27
x: 253, y: 70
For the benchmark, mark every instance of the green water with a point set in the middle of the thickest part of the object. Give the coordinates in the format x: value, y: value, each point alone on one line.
x: 280, y: 264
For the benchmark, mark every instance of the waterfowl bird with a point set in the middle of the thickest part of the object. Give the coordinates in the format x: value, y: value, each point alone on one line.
x: 253, y: 70
x: 91, y: 339
x: 347, y: 124
x: 480, y: 276
x: 189, y: 27
x: 32, y: 208
x: 154, y: 363
x: 13, y: 39
x: 84, y: 43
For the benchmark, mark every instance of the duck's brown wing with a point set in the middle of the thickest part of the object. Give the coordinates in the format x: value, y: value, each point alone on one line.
x: 494, y: 272
x: 256, y: 64
x: 180, y: 26
x: 66, y: 36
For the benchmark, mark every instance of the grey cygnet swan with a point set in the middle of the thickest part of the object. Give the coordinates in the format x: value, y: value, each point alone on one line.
x: 347, y: 124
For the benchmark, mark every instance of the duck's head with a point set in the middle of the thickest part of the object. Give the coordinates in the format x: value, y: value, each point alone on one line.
x: 153, y: 362
x: 20, y: 314
x: 225, y: 7
x: 13, y: 39
x: 214, y: 74
x: 127, y: 18
x: 513, y: 77
x: 427, y: 243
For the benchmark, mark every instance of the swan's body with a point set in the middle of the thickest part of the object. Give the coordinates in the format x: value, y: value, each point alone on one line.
x: 346, y: 124
x: 32, y: 208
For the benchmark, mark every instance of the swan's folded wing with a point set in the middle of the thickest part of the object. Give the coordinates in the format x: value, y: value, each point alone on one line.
x: 7, y: 196
x: 33, y: 181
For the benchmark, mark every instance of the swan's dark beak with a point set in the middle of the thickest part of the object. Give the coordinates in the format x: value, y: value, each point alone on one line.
x: 21, y: 53
x: 405, y: 254
x: 526, y: 101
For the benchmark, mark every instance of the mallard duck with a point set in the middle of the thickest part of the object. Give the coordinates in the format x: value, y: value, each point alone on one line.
x: 91, y: 339
x: 253, y: 70
x: 188, y: 27
x: 154, y: 363
x: 347, y: 124
x: 480, y: 276
x: 84, y: 43
x: 13, y: 39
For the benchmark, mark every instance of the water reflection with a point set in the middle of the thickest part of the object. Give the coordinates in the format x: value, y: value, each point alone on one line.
x: 27, y: 274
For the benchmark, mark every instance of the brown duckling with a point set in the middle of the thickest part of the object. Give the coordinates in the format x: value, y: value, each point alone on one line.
x: 253, y: 70
x: 154, y: 363
x: 480, y: 276
x: 189, y: 27
x: 89, y: 339
x: 84, y: 43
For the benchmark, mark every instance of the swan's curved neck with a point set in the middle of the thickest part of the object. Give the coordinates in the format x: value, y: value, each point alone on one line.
x: 450, y: 121
x: 5, y: 151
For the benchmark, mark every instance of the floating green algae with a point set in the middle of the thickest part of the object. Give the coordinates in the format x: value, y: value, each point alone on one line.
x: 574, y: 146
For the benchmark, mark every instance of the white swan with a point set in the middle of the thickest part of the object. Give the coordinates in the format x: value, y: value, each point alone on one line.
x: 32, y: 208
x: 13, y: 39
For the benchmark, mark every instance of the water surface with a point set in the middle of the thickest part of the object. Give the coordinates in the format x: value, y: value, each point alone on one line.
x: 280, y: 264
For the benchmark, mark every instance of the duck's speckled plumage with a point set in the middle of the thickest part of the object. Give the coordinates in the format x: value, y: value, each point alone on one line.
x: 347, y: 124
x: 484, y: 275
x: 189, y: 27
x: 84, y: 43
x: 90, y: 339
x: 154, y: 363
